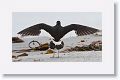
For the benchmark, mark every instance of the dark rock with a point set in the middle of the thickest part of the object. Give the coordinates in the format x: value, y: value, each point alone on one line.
x: 16, y: 40
x: 42, y: 47
x: 82, y: 40
x: 96, y: 46
x: 24, y: 54
x: 14, y: 56
x: 22, y: 50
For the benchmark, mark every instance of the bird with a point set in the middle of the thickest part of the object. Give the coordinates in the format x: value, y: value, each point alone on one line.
x: 57, y: 46
x: 58, y: 31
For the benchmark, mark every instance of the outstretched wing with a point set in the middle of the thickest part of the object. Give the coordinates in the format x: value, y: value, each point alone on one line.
x: 35, y: 30
x: 80, y: 29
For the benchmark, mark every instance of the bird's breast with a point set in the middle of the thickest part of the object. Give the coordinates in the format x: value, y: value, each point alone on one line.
x: 57, y: 33
x: 57, y: 43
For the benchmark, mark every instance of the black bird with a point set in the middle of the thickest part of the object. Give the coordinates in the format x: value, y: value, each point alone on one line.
x: 56, y: 46
x: 57, y: 31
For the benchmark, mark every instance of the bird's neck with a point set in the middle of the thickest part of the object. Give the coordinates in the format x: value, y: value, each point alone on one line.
x: 58, y: 25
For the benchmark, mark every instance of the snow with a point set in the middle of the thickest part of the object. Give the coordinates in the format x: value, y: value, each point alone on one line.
x: 83, y: 56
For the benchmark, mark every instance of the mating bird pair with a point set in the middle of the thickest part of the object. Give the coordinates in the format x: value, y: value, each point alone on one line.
x: 58, y: 31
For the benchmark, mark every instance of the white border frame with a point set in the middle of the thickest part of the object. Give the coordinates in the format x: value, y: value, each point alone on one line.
x: 104, y: 67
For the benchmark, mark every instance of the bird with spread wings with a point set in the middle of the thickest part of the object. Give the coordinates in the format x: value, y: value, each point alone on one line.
x: 57, y: 31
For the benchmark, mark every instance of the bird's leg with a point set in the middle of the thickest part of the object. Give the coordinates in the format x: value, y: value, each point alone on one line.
x: 53, y: 55
x: 58, y: 53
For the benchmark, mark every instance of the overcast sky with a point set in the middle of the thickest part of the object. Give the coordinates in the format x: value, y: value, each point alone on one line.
x: 22, y: 20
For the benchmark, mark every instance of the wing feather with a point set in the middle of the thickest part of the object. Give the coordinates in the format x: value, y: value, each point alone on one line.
x: 35, y: 30
x: 80, y: 29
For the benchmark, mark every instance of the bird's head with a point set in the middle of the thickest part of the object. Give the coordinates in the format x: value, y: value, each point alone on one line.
x: 58, y: 23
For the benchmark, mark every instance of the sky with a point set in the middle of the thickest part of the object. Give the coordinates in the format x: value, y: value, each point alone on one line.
x: 22, y: 20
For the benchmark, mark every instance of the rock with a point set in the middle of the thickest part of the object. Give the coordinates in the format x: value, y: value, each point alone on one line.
x: 25, y: 50
x: 22, y: 50
x: 98, y: 33
x: 83, y: 48
x: 16, y: 40
x: 50, y: 51
x: 82, y: 40
x: 42, y: 47
x: 14, y: 56
x: 16, y: 60
x: 66, y: 50
x: 24, y: 54
x: 96, y: 45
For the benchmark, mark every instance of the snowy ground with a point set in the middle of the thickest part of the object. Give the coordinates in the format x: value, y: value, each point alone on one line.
x: 84, y: 56
x: 40, y: 56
